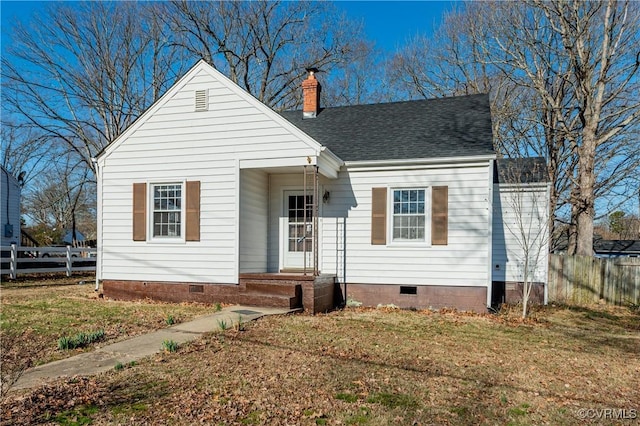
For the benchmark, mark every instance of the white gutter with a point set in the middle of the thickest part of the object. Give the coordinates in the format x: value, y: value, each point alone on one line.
x: 333, y: 156
x: 420, y: 161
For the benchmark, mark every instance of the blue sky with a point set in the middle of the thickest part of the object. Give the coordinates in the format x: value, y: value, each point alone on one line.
x: 388, y: 23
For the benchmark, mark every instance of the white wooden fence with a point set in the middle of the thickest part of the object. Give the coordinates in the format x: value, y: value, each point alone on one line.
x: 30, y: 260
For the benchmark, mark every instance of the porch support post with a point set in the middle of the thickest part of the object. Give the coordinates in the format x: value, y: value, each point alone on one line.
x: 313, y: 171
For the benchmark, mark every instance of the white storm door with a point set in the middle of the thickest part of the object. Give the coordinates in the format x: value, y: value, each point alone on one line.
x: 298, y: 230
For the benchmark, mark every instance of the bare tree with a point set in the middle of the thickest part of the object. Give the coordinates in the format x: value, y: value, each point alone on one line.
x: 24, y: 150
x: 62, y: 198
x: 265, y: 46
x: 454, y: 62
x: 593, y: 56
x: 80, y: 74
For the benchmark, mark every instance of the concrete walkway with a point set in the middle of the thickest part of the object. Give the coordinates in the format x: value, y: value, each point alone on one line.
x: 136, y: 348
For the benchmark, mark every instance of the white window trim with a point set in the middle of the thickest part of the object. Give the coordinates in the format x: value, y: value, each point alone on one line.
x: 166, y: 240
x: 427, y: 220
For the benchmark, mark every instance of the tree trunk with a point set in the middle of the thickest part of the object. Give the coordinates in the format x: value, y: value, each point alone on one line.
x: 586, y: 192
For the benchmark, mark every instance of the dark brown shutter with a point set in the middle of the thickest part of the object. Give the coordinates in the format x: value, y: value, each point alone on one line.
x: 379, y: 216
x: 139, y: 212
x: 439, y: 215
x: 193, y: 211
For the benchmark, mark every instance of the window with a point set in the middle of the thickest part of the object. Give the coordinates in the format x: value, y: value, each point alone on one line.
x: 409, y: 215
x: 167, y: 210
x: 173, y: 211
x: 412, y: 211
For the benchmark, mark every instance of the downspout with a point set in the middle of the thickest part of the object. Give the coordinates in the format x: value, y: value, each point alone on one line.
x: 98, y: 223
x: 490, y: 245
x: 545, y: 300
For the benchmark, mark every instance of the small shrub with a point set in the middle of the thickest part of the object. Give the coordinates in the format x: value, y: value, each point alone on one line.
x: 171, y: 320
x: 240, y: 324
x: 64, y: 343
x: 218, y: 307
x: 80, y: 340
x: 170, y: 346
x: 223, y: 325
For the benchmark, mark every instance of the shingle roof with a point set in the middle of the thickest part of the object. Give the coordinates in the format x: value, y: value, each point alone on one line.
x: 443, y: 127
x: 617, y: 247
x: 520, y: 170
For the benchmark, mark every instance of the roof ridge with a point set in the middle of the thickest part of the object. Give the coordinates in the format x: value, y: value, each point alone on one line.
x: 443, y: 98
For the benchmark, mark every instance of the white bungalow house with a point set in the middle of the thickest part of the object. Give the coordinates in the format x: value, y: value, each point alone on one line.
x: 212, y: 196
x: 10, y: 189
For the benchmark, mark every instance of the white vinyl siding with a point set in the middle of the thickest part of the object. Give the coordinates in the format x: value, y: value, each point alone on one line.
x: 177, y: 144
x: 254, y: 204
x: 518, y: 209
x: 346, y: 228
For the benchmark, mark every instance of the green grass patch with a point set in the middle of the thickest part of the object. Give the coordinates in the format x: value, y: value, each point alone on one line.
x: 77, y: 417
x: 393, y: 400
x: 347, y: 397
x: 519, y: 411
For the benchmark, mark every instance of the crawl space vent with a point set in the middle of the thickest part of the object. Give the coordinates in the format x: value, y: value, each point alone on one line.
x: 196, y: 289
x: 202, y: 100
x: 408, y: 290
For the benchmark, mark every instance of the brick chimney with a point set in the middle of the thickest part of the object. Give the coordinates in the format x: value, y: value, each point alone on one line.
x: 311, y: 95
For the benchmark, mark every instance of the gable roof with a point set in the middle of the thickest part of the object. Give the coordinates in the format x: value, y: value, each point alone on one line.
x: 434, y: 128
x: 520, y: 170
x: 202, y: 65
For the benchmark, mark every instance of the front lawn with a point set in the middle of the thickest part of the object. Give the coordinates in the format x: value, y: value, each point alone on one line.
x: 359, y: 366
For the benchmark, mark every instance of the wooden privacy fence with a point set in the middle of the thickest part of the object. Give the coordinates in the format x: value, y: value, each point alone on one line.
x: 29, y: 260
x: 585, y: 280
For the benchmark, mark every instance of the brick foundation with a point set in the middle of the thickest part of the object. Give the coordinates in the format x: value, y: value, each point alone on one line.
x: 434, y: 297
x: 176, y: 292
x: 513, y: 293
x: 313, y: 294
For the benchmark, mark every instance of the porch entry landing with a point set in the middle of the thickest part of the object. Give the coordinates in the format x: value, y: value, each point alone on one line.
x: 314, y: 294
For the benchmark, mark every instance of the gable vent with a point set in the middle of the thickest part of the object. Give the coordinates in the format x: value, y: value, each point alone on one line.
x: 202, y: 100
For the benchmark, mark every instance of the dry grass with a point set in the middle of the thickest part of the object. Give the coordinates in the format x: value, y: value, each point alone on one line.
x: 364, y: 366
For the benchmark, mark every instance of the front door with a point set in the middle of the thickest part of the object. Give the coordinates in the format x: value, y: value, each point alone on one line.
x: 298, y: 230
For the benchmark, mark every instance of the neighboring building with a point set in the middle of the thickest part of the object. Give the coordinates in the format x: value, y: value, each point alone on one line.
x: 68, y: 237
x: 616, y: 248
x: 9, y: 208
x: 212, y: 196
